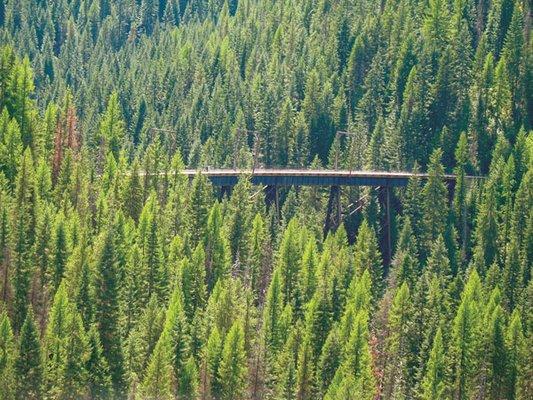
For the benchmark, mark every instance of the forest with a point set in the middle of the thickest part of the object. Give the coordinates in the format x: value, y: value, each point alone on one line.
x: 121, y: 278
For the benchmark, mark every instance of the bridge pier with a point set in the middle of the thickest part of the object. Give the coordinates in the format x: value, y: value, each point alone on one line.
x: 272, y: 197
x: 333, y: 214
x: 225, y: 190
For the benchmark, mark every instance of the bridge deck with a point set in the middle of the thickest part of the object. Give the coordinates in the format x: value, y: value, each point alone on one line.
x: 308, y: 177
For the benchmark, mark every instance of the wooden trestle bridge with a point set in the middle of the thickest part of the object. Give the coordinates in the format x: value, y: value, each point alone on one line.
x: 272, y: 178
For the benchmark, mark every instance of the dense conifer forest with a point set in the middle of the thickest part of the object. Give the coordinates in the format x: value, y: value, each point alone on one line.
x: 122, y: 279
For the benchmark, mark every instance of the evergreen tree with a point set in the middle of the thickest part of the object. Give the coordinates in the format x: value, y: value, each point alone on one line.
x: 411, y: 204
x: 24, y: 236
x: 434, y: 203
x: 107, y: 312
x: 465, y: 339
x: 99, y: 380
x: 210, y: 381
x: 67, y: 350
x: 398, y: 374
x: 157, y: 383
x: 289, y: 257
x: 28, y: 365
x: 259, y: 257
x: 199, y: 202
x: 329, y: 361
x: 367, y: 258
x: 7, y: 359
x: 405, y: 261
x: 60, y: 252
x: 434, y: 383
x: 516, y: 356
x: 188, y: 384
x: 459, y: 199
x: 112, y: 130
x: 354, y: 378
x: 272, y: 314
x: 216, y: 248
x: 10, y: 147
x: 193, y: 282
x: 232, y: 372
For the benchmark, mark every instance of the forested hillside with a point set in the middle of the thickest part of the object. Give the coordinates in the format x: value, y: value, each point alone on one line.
x: 120, y: 279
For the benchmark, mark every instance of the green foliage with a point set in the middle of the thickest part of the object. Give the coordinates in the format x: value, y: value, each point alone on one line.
x: 112, y: 129
x: 232, y: 370
x: 107, y: 312
x: 121, y: 278
x: 28, y: 366
x: 7, y: 359
x: 66, y: 350
x: 434, y: 383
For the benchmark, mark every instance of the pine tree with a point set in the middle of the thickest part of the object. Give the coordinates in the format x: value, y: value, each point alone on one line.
x: 153, y: 258
x: 411, y: 204
x: 232, y: 372
x: 19, y: 104
x: 188, y: 384
x: 435, y: 207
x: 240, y: 219
x: 289, y: 256
x: 434, y: 382
x: 465, y: 339
x: 307, y: 276
x: 272, y: 314
x: 460, y: 191
x: 318, y: 319
x: 405, y: 261
x: 193, y: 282
x: 178, y: 330
x: 157, y: 383
x: 99, y: 381
x: 498, y: 354
x: 516, y: 356
x: 133, y: 196
x: 7, y: 359
x: 84, y: 296
x: 59, y: 258
x: 436, y: 24
x: 511, y: 279
x: 107, y: 311
x: 200, y: 195
x: 368, y: 258
x: 513, y: 51
x: 329, y: 361
x: 398, y: 374
x: 24, y: 236
x: 28, y: 367
x: 354, y: 379
x: 438, y: 262
x: 144, y: 337
x: 486, y: 228
x: 66, y: 350
x: 112, y: 128
x: 212, y: 355
x: 216, y: 248
x: 10, y: 147
x: 259, y: 257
